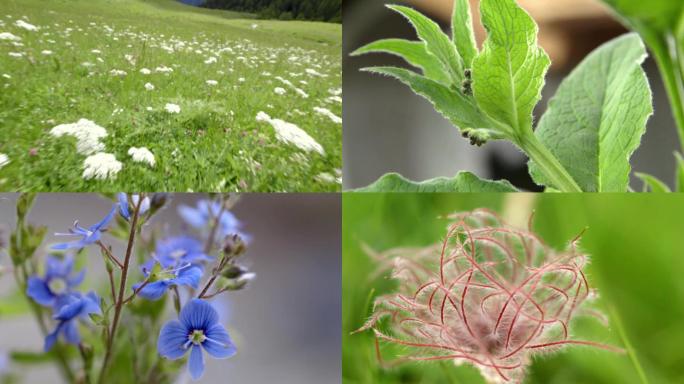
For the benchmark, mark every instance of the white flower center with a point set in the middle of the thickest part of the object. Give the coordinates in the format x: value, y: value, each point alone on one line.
x: 197, y: 337
x: 178, y: 253
x: 57, y: 285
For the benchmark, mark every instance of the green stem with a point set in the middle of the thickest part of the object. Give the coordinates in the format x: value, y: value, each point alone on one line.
x: 552, y: 169
x: 670, y: 61
x: 630, y: 349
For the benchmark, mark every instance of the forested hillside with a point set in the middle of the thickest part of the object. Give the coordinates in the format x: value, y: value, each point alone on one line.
x: 322, y: 10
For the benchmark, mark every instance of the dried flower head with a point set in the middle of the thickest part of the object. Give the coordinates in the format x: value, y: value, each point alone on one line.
x: 489, y: 295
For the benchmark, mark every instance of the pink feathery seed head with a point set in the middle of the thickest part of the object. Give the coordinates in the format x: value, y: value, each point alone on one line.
x: 489, y: 295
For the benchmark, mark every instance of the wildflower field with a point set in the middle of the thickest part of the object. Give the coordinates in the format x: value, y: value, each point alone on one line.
x: 627, y: 330
x: 151, y: 95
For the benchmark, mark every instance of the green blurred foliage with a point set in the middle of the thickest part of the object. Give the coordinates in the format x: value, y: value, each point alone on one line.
x: 637, y: 264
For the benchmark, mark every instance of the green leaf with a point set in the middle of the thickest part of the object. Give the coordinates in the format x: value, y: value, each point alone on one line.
x: 463, y: 182
x: 596, y: 119
x: 454, y: 106
x: 436, y: 41
x: 652, y: 184
x: 660, y: 15
x: 414, y: 52
x: 462, y: 32
x: 679, y: 177
x: 508, y: 74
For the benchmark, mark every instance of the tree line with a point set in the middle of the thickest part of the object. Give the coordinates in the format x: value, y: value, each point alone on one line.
x: 320, y: 10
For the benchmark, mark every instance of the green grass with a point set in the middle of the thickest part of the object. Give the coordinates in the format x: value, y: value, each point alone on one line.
x: 636, y: 248
x: 214, y: 144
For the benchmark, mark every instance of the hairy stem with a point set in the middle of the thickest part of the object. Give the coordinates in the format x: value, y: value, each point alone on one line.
x: 552, y: 169
x: 122, y: 288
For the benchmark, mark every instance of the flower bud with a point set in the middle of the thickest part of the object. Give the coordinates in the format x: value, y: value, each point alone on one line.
x: 233, y: 245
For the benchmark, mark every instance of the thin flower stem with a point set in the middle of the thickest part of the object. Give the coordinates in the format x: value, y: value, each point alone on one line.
x: 122, y: 288
x: 109, y: 254
x: 111, y: 285
x: 207, y: 286
x: 135, y: 291
x: 630, y: 349
x: 86, y: 373
x: 214, y: 227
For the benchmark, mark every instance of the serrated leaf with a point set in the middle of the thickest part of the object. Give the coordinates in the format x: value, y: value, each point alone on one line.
x: 596, y: 119
x: 460, y: 110
x: 462, y: 32
x: 464, y: 182
x: 652, y: 184
x: 436, y: 41
x: 414, y: 52
x: 508, y: 74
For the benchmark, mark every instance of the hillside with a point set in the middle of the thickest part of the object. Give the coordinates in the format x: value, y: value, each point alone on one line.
x: 185, y: 83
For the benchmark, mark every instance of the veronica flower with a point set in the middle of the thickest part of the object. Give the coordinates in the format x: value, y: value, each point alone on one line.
x: 206, y: 211
x: 172, y: 252
x: 71, y: 308
x: 196, y: 329
x: 161, y: 280
x: 59, y: 279
x: 124, y: 210
x: 88, y: 236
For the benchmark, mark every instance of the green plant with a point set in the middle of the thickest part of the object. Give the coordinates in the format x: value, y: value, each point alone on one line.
x: 584, y: 140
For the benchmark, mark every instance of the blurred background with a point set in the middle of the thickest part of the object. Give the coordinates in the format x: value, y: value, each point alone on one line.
x: 388, y: 128
x: 637, y: 261
x: 286, y: 324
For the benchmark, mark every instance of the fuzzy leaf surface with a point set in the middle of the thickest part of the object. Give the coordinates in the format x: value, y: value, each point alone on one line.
x: 508, y: 74
x: 596, y: 119
x: 462, y: 32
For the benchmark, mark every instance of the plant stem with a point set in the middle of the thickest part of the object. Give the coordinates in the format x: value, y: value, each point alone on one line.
x: 630, y: 349
x: 214, y: 227
x: 122, y: 289
x: 669, y: 58
x: 552, y: 169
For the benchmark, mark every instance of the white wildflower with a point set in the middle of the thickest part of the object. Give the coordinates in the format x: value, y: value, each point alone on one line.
x: 172, y: 108
x: 163, y: 69
x: 4, y: 160
x: 210, y: 60
x: 101, y: 166
x: 212, y: 83
x: 313, y: 72
x: 6, y: 76
x: 87, y: 133
x: 24, y: 25
x: 10, y: 37
x: 46, y: 52
x: 326, y: 112
x: 279, y: 91
x: 142, y: 155
x: 326, y: 178
x: 16, y: 54
x: 117, y: 72
x: 145, y: 71
x: 242, y: 80
x: 149, y: 86
x: 96, y: 51
x: 291, y: 134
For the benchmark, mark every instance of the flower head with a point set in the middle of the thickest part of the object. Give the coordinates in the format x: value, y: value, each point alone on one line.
x: 124, y: 210
x: 489, y: 295
x: 206, y: 211
x: 159, y: 280
x: 196, y: 329
x: 173, y: 252
x: 88, y: 235
x: 59, y: 280
x: 70, y: 308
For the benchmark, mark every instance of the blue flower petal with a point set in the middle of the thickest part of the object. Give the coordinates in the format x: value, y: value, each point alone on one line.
x: 196, y: 362
x: 69, y: 310
x: 77, y: 279
x: 123, y: 205
x: 189, y: 276
x: 70, y: 332
x: 172, y: 337
x: 192, y: 216
x: 39, y: 291
x: 153, y: 291
x: 97, y: 227
x: 51, y: 339
x: 91, y: 304
x: 218, y: 343
x: 71, y: 245
x: 198, y: 314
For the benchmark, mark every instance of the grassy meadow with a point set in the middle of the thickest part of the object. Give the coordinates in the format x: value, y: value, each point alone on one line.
x: 637, y: 260
x: 184, y: 83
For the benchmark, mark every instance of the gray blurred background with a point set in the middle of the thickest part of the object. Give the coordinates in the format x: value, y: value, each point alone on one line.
x: 388, y: 128
x: 286, y: 324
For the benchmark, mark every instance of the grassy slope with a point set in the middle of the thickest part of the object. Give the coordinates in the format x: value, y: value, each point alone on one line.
x: 218, y: 140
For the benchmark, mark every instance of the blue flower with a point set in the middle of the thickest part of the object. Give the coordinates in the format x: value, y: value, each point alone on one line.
x: 204, y: 214
x: 197, y: 328
x: 124, y: 210
x: 185, y: 275
x: 71, y: 308
x: 59, y: 279
x: 172, y: 252
x: 88, y: 236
